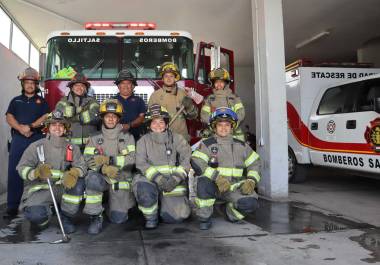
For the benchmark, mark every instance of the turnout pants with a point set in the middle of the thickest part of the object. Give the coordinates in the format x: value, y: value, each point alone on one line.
x: 238, y: 205
x: 173, y: 207
x: 37, y: 201
x: 120, y: 196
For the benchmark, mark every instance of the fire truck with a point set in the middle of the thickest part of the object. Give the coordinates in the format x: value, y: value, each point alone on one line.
x: 102, y: 49
x: 333, y: 118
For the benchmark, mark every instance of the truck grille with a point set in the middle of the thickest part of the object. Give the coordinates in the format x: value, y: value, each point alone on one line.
x: 101, y: 97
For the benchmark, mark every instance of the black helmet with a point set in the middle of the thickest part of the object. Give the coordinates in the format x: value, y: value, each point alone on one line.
x: 79, y: 78
x: 124, y: 74
x: 157, y: 111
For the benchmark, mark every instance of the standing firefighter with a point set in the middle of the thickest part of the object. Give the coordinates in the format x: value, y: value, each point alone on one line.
x: 227, y: 169
x: 63, y: 164
x: 80, y: 109
x: 163, y: 160
x: 110, y: 156
x: 134, y: 106
x: 25, y: 115
x: 172, y: 98
x: 223, y: 96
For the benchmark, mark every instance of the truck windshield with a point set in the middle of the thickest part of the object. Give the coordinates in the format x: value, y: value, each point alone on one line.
x: 103, y: 57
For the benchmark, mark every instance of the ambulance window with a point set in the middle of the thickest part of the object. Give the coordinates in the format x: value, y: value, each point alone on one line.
x: 339, y: 99
x: 369, y: 92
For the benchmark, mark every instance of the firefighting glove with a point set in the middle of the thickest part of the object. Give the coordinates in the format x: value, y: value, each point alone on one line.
x: 43, y: 171
x: 187, y: 102
x: 98, y: 161
x: 110, y: 171
x: 171, y: 182
x: 248, y: 187
x: 222, y: 183
x: 70, y: 177
x: 160, y: 180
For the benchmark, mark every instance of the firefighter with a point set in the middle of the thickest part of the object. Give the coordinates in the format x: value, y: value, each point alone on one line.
x: 25, y: 115
x: 221, y: 162
x: 223, y: 96
x: 80, y: 109
x: 110, y: 156
x: 171, y: 97
x: 134, y: 106
x: 63, y: 164
x: 163, y: 161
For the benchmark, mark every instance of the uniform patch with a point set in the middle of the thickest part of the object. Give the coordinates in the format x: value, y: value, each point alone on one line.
x: 38, y: 101
x: 100, y: 141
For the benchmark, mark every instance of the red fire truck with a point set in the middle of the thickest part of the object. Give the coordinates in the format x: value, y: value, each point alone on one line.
x: 102, y: 49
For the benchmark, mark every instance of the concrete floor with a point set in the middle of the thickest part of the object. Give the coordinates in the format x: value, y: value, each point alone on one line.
x: 328, y: 220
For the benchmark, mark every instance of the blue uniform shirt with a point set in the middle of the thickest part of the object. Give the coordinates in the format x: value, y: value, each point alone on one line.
x: 133, y: 106
x: 27, y: 110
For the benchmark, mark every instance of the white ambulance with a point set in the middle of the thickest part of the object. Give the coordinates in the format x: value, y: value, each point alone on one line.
x: 333, y: 119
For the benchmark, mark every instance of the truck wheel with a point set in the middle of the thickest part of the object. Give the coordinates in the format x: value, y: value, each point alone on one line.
x: 297, y: 173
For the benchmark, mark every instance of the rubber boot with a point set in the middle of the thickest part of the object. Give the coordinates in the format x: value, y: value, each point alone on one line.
x: 205, y: 224
x: 10, y: 213
x: 151, y: 223
x: 96, y: 224
x: 68, y: 225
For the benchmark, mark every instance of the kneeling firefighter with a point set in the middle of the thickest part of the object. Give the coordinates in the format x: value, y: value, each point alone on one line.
x: 60, y: 161
x: 163, y: 160
x: 228, y: 170
x: 110, y: 155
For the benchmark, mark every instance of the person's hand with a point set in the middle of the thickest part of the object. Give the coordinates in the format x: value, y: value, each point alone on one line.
x: 223, y: 184
x: 25, y: 130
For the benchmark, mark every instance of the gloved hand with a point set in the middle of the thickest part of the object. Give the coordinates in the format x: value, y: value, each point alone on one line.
x: 187, y: 102
x: 222, y: 183
x: 248, y: 187
x: 110, y: 171
x: 160, y: 180
x: 98, y: 160
x: 43, y: 171
x: 70, y: 177
x: 171, y: 182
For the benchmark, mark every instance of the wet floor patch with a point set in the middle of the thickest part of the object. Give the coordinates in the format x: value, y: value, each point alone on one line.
x: 294, y: 218
x: 271, y: 217
x: 370, y: 240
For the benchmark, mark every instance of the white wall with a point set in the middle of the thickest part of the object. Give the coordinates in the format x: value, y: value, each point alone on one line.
x: 244, y: 83
x: 10, y: 66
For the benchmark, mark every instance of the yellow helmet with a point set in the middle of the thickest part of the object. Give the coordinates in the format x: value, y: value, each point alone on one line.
x: 219, y: 74
x: 169, y: 67
x: 111, y: 105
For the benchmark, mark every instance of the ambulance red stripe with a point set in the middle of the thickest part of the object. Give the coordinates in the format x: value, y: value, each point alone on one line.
x: 303, y: 135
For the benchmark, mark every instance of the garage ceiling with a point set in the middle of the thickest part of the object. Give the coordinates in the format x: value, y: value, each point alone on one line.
x: 351, y: 23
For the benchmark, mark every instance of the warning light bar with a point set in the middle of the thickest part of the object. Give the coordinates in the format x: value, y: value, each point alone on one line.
x: 120, y: 25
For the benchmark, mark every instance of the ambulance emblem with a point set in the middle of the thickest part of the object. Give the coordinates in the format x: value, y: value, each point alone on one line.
x: 331, y: 126
x: 372, y: 134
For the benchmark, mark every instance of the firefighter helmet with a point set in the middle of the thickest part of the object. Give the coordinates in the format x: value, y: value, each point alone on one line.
x: 111, y: 105
x: 124, y: 74
x: 223, y: 114
x: 219, y: 74
x: 169, y: 67
x: 157, y: 111
x: 79, y: 78
x: 57, y: 116
x: 29, y: 74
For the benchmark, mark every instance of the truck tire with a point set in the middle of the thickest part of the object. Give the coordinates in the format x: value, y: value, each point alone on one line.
x: 297, y: 172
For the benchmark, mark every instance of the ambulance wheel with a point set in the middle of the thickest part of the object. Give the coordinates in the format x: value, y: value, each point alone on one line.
x: 296, y: 172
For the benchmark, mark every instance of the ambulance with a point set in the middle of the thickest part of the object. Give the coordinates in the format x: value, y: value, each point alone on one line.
x: 333, y: 118
x: 101, y: 49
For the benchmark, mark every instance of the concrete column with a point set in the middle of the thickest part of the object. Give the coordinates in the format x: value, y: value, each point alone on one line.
x: 270, y: 97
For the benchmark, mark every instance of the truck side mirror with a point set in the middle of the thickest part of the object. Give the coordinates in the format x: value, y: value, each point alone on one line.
x: 377, y: 105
